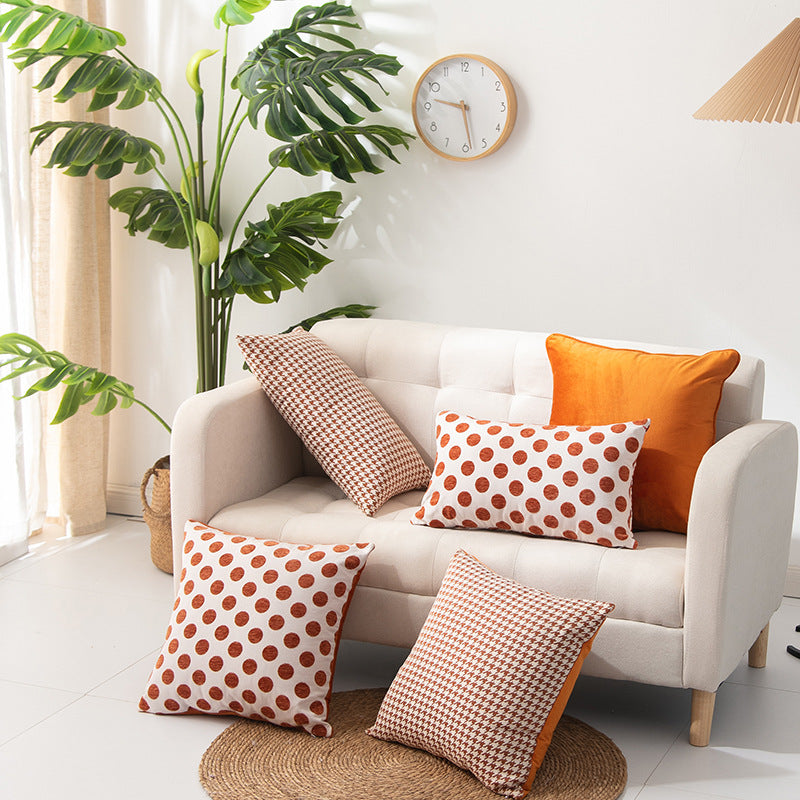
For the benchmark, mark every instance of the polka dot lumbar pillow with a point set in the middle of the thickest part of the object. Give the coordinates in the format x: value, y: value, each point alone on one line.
x: 545, y: 480
x: 255, y: 629
x: 490, y: 674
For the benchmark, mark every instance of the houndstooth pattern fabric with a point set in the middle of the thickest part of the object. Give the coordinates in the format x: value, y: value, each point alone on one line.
x: 485, y: 672
x: 347, y: 430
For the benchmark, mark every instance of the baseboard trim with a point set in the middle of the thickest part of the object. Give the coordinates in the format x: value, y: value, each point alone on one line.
x: 8, y: 552
x: 124, y: 500
x: 792, y: 586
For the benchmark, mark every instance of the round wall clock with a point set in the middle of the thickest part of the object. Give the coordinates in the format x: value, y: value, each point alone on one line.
x: 464, y: 107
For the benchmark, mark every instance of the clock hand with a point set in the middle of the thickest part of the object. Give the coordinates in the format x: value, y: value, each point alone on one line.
x: 448, y: 103
x: 466, y: 125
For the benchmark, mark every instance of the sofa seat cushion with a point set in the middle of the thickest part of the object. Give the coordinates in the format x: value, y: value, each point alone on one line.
x: 645, y: 584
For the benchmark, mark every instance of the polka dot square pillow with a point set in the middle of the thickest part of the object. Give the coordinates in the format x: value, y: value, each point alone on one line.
x: 572, y: 482
x: 255, y: 629
x: 490, y: 675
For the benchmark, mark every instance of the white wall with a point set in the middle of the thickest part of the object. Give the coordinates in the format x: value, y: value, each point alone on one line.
x: 610, y: 212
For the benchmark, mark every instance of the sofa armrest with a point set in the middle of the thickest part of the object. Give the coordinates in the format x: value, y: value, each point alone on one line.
x: 737, y: 549
x: 228, y: 445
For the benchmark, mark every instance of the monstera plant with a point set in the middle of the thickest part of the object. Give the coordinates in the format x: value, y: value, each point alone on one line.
x: 82, y: 384
x: 307, y: 86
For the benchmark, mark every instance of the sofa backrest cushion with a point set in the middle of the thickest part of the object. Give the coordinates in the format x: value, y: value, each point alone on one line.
x: 417, y: 369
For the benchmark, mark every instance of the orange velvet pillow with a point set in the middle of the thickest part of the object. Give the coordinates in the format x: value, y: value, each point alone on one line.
x: 680, y: 394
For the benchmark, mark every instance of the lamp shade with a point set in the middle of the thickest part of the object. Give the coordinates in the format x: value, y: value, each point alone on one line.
x: 766, y: 88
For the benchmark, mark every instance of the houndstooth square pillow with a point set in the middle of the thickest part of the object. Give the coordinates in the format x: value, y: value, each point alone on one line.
x: 490, y: 674
x: 341, y: 422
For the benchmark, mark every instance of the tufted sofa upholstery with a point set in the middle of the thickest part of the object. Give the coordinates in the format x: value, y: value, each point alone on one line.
x: 687, y: 607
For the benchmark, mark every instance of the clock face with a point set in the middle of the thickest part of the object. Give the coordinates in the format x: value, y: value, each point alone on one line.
x: 464, y: 107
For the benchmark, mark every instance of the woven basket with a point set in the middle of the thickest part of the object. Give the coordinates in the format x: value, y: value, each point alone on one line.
x: 157, y: 514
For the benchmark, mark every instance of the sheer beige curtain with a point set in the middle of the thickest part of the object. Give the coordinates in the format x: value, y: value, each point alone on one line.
x: 20, y: 428
x: 71, y: 267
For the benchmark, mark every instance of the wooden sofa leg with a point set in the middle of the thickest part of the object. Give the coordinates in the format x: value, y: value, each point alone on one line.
x: 757, y: 655
x: 702, y: 714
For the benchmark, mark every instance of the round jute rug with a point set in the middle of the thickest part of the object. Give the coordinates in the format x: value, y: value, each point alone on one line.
x: 258, y: 761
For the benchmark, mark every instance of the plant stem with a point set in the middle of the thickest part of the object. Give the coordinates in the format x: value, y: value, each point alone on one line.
x: 226, y: 328
x: 245, y: 207
x: 157, y: 95
x: 208, y: 330
x: 184, y: 135
x: 214, y: 217
x: 147, y: 408
x: 216, y: 185
x: 205, y: 369
x: 188, y: 223
x: 173, y: 134
x: 214, y: 202
x: 199, y: 322
x: 201, y: 182
x: 217, y: 332
x: 208, y: 354
x: 206, y: 366
x: 197, y: 273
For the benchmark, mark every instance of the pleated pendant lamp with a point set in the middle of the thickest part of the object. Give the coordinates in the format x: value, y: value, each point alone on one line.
x: 766, y: 88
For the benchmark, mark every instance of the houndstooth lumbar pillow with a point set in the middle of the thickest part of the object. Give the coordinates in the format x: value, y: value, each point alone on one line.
x: 490, y: 674
x: 341, y: 422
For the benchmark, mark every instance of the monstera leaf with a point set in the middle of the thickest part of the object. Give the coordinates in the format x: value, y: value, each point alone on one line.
x: 293, y: 88
x: 297, y: 81
x: 238, y: 12
x: 352, y: 311
x: 287, y: 43
x: 90, y: 144
x: 341, y: 152
x: 278, y: 253
x: 106, y: 76
x: 82, y: 384
x: 69, y: 34
x: 153, y: 210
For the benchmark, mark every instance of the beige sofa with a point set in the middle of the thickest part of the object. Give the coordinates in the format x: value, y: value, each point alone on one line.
x: 687, y: 607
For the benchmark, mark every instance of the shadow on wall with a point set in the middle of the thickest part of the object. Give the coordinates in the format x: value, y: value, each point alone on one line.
x: 397, y: 226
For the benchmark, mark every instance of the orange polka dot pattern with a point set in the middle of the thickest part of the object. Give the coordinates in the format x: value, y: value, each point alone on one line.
x: 255, y: 629
x: 492, y: 660
x: 341, y: 422
x: 571, y: 482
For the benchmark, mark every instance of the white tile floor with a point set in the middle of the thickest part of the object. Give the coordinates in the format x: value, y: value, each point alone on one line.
x: 82, y: 619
